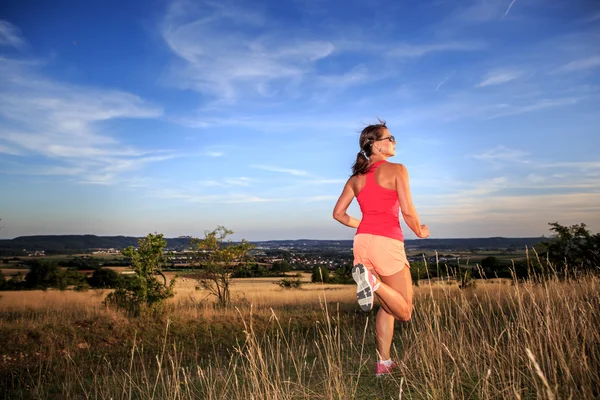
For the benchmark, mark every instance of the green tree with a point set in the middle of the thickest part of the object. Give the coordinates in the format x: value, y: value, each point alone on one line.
x: 42, y: 275
x: 342, y: 274
x: 320, y: 273
x: 418, y: 271
x: 105, y: 278
x: 219, y: 258
x: 572, y: 247
x: 143, y: 291
x: 281, y: 266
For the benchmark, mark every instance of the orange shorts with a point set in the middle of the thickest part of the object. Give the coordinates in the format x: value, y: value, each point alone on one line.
x: 383, y: 254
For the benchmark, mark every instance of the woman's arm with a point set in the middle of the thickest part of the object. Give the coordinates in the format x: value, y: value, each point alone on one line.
x: 339, y: 211
x: 406, y: 204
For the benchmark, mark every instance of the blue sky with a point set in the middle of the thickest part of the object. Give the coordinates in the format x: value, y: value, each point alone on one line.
x: 179, y: 116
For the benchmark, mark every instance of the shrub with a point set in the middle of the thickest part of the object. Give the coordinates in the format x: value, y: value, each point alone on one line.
x: 320, y: 273
x: 105, y: 278
x: 290, y: 283
x: 142, y: 291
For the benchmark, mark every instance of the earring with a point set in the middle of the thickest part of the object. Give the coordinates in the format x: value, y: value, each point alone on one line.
x: 379, y: 149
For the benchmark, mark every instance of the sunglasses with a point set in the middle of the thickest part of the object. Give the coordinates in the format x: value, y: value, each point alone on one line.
x: 391, y: 138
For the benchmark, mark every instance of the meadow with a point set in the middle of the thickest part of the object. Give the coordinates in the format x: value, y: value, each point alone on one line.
x: 501, y: 339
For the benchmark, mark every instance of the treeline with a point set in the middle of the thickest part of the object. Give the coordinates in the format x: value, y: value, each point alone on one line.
x: 47, y: 274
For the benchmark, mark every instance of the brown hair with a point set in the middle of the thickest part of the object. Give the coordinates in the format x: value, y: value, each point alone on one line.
x: 368, y: 136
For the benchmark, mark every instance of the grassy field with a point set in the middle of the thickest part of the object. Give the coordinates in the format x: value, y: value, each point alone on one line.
x: 499, y: 340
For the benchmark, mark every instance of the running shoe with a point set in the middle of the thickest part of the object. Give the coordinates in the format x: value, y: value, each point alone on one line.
x: 383, y: 369
x: 366, y: 285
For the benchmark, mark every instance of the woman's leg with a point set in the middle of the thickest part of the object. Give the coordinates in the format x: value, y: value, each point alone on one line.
x: 397, y: 293
x: 384, y: 326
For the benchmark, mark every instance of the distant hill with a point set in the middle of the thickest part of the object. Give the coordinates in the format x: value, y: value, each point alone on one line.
x: 81, y: 243
x: 76, y: 243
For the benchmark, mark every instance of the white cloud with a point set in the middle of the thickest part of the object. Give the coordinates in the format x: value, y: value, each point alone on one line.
x: 11, y: 36
x: 9, y: 150
x: 582, y: 165
x: 228, y: 182
x: 502, y: 153
x: 581, y: 64
x: 240, y: 181
x: 60, y: 122
x: 271, y: 168
x: 594, y: 17
x: 535, y: 178
x: 443, y: 81
x: 226, y: 56
x: 214, y: 154
x: 417, y: 50
x: 503, y: 110
x: 509, y: 7
x: 498, y: 77
x: 481, y: 11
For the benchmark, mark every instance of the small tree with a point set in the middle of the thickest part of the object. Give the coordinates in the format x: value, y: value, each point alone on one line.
x: 219, y: 259
x: 573, y: 247
x: 281, y: 267
x: 342, y: 274
x: 42, y: 275
x: 143, y: 290
x: 105, y: 278
x: 320, y: 273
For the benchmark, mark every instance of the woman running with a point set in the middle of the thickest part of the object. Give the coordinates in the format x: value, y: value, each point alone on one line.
x: 382, y: 190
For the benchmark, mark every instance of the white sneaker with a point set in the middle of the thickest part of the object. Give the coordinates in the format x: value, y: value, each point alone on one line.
x: 366, y: 285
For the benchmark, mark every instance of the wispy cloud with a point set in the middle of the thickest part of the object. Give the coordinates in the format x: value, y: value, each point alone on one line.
x: 535, y: 178
x: 60, y: 122
x: 498, y: 77
x: 228, y: 182
x: 594, y: 17
x: 504, y: 110
x: 11, y: 36
x: 410, y: 50
x: 481, y: 11
x: 583, y: 165
x: 223, y: 55
x: 214, y: 154
x: 9, y: 150
x: 444, y: 81
x: 502, y: 153
x: 235, y: 198
x: 271, y: 168
x: 509, y: 7
x: 581, y: 64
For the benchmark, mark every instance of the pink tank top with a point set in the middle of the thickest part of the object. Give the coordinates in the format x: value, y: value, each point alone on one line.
x: 380, y: 208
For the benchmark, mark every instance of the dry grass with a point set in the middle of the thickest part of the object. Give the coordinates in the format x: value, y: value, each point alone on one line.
x: 497, y: 341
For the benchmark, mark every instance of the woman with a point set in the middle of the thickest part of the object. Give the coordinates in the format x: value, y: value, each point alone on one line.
x: 380, y: 263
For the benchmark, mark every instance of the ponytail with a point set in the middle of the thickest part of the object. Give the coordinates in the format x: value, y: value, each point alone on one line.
x: 367, y: 137
x: 361, y: 165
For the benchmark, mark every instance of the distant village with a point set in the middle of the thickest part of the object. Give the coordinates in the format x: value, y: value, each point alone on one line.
x: 299, y: 257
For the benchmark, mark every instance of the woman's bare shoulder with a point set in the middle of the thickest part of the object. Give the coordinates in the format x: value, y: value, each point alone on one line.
x: 397, y: 168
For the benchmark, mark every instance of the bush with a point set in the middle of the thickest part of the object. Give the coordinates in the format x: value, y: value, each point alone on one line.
x: 342, y: 275
x: 281, y: 267
x: 142, y: 291
x: 320, y: 273
x: 572, y: 247
x: 105, y: 278
x: 44, y: 275
x: 290, y: 283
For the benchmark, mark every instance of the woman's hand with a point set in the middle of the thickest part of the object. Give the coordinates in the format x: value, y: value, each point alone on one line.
x: 424, y: 232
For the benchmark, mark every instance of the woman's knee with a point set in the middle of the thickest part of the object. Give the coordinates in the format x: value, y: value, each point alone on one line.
x: 405, y: 315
